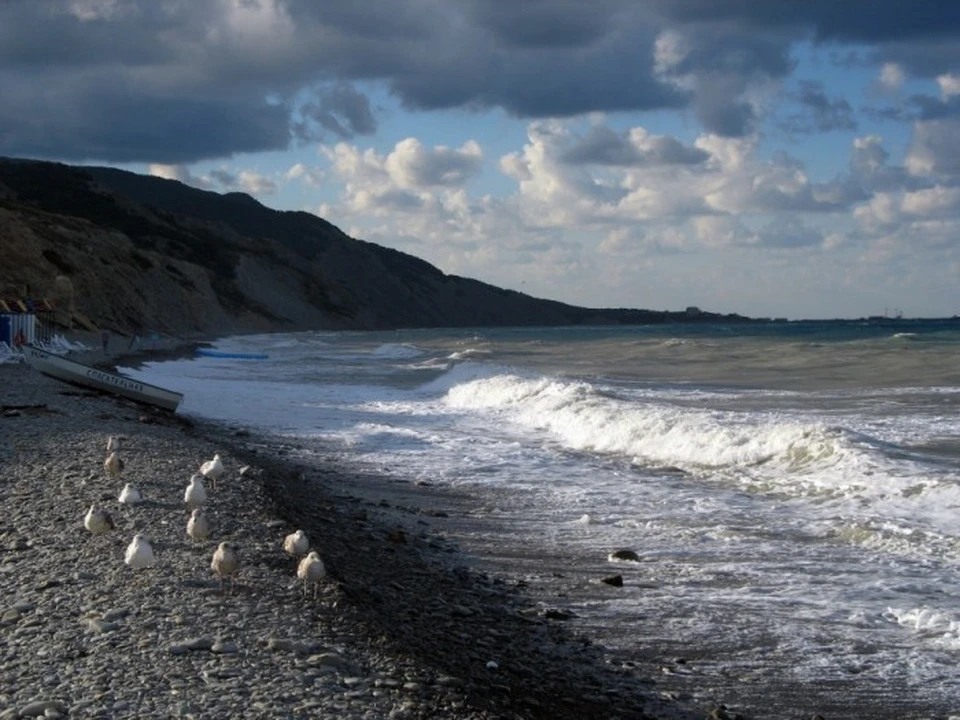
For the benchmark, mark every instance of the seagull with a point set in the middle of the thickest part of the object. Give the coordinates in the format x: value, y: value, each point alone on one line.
x: 98, y: 520
x: 296, y: 544
x: 225, y: 563
x: 113, y: 443
x: 113, y: 464
x: 130, y: 495
x: 212, y: 470
x: 195, y: 494
x: 198, y: 526
x: 311, y: 570
x: 139, y: 553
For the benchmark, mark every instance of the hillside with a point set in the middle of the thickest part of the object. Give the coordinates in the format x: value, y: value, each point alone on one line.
x: 137, y: 253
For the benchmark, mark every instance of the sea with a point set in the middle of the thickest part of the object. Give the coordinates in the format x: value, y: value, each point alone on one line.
x: 791, y: 489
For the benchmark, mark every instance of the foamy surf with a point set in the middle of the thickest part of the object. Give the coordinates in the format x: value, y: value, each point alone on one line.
x: 793, y: 499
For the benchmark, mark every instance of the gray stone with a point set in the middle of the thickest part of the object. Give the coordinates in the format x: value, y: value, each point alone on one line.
x: 37, y: 708
x: 329, y: 660
x: 116, y: 614
x: 199, y: 643
x: 95, y: 625
x: 224, y: 648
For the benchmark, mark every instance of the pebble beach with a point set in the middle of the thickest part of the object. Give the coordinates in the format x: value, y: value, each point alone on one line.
x: 400, y: 627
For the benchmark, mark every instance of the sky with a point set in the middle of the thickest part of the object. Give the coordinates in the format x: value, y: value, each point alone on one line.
x: 772, y: 158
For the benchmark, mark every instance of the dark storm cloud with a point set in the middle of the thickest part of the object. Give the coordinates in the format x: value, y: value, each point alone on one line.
x: 921, y: 34
x: 546, y: 23
x: 602, y: 146
x: 98, y: 122
x: 866, y: 21
x: 340, y: 110
x: 181, y: 80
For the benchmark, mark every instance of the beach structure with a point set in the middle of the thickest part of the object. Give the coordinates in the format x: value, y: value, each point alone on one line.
x: 24, y: 321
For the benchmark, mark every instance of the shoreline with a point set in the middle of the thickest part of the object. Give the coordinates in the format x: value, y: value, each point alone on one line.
x: 402, y: 629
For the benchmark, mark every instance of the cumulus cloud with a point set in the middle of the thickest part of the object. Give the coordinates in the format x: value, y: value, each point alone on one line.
x: 180, y: 173
x: 300, y: 171
x: 412, y: 165
x: 603, y: 146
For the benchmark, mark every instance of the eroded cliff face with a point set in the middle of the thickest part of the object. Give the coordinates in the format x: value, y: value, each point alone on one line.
x: 134, y: 254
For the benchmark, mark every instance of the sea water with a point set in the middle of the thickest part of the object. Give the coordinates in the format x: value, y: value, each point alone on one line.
x: 792, y: 489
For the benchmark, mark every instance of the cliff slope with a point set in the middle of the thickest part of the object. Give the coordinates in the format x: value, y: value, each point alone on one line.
x: 136, y: 253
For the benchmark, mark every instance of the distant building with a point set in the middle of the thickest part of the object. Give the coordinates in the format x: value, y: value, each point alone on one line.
x: 692, y: 311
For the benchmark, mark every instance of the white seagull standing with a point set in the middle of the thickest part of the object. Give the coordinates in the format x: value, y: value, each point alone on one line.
x: 139, y: 553
x: 225, y: 563
x: 296, y: 544
x: 113, y: 464
x: 198, y: 526
x: 113, y: 443
x: 98, y: 521
x: 130, y: 495
x: 213, y: 470
x: 195, y: 494
x: 311, y: 570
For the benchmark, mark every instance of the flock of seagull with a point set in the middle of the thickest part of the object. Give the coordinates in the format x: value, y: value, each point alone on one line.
x: 226, y: 561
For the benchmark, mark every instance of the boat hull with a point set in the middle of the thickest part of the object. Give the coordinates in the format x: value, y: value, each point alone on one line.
x: 76, y: 373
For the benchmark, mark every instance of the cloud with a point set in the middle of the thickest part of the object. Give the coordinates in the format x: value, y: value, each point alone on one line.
x: 177, y: 82
x: 180, y: 173
x: 255, y: 183
x: 340, y: 110
x: 586, y: 205
x: 602, y: 146
x: 949, y: 85
x: 300, y: 171
x: 412, y: 165
x: 725, y: 73
x: 892, y: 76
x: 935, y: 149
x: 221, y: 179
x: 820, y: 113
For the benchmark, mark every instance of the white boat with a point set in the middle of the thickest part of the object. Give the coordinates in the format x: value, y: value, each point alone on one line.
x: 76, y: 373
